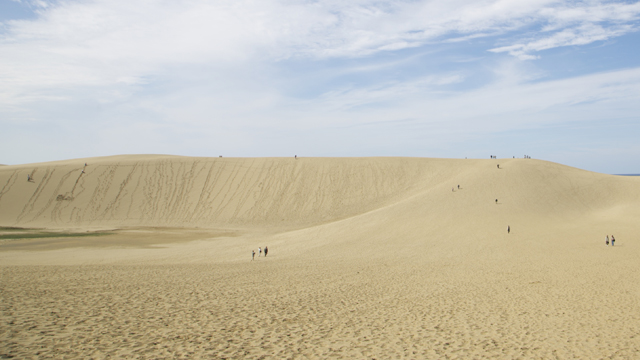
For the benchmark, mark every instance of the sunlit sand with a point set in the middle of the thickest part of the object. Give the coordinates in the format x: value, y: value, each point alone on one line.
x: 368, y: 258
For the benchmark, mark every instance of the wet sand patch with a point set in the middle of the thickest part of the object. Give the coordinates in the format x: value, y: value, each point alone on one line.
x: 25, y: 239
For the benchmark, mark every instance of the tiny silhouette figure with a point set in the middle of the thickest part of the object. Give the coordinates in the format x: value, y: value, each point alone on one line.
x: 613, y: 240
x: 266, y: 250
x: 28, y: 177
x: 253, y: 255
x: 295, y: 156
x: 607, y: 240
x: 498, y: 166
x: 259, y: 251
x: 451, y: 189
x: 508, y: 229
x: 496, y: 201
x: 458, y: 187
x: 85, y: 164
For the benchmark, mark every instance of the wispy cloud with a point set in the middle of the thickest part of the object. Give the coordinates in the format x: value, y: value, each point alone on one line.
x: 108, y: 42
x: 230, y: 66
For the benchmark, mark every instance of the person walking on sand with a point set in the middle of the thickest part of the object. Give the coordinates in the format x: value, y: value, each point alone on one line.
x: 508, y: 229
x: 259, y: 251
x: 253, y: 255
x: 613, y: 240
x: 498, y: 166
x: 496, y: 201
x: 266, y: 250
x: 607, y: 241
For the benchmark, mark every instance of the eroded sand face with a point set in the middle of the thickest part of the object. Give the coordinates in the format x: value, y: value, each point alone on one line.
x: 421, y: 272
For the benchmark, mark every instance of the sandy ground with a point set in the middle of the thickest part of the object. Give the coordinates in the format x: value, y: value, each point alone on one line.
x: 406, y: 267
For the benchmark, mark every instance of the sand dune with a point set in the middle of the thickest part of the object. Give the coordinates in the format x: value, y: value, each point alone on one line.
x: 211, y: 192
x: 370, y: 257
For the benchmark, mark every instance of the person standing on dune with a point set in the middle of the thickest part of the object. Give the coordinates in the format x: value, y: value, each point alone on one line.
x: 259, y: 251
x: 508, y: 229
x: 253, y: 255
x: 266, y: 250
x: 613, y: 240
x: 607, y: 240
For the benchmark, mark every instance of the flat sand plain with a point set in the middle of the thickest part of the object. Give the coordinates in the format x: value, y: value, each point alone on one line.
x: 369, y: 258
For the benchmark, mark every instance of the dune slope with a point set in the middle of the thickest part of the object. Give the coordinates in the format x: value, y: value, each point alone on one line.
x: 210, y: 192
x: 287, y: 193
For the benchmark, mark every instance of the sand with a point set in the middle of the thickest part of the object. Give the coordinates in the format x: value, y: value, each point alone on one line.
x: 369, y: 258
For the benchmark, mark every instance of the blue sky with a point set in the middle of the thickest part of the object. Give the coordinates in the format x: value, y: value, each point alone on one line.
x: 557, y: 80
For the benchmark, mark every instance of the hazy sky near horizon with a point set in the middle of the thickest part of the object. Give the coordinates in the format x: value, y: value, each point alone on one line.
x: 557, y: 80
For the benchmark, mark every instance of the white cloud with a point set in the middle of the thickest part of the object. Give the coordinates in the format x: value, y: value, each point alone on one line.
x: 580, y: 35
x: 115, y: 43
x: 577, y: 24
x: 101, y: 42
x: 216, y: 67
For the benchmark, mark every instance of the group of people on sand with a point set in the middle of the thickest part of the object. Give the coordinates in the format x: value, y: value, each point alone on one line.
x: 253, y: 252
x: 613, y: 240
x: 526, y: 157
